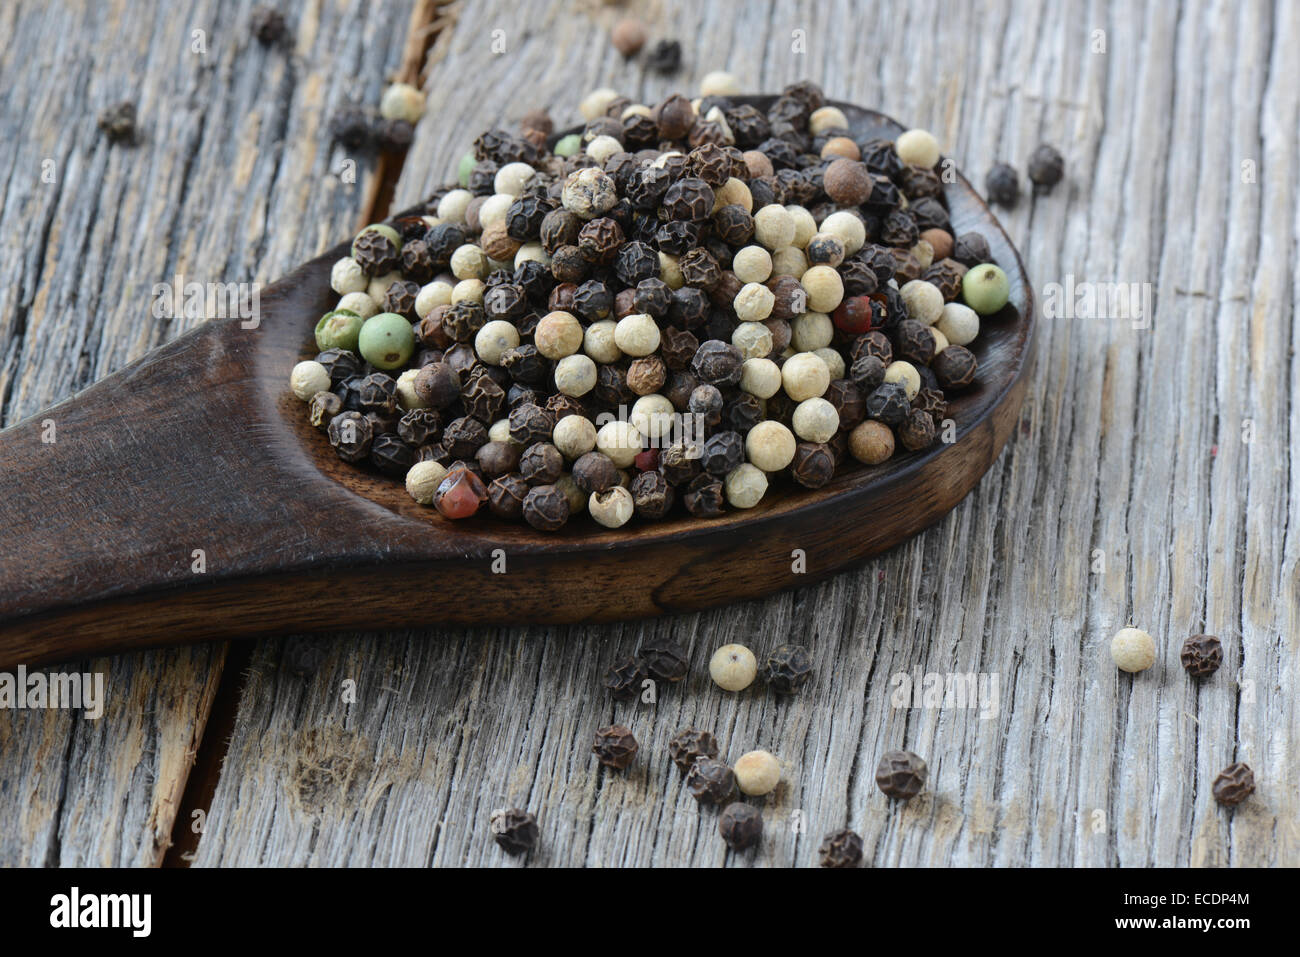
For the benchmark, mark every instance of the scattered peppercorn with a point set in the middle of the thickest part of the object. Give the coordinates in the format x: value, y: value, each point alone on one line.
x: 664, y: 660
x: 1046, y: 167
x: 690, y: 745
x: 268, y: 26
x: 1003, y: 185
x: 614, y: 746
x: 1201, y: 655
x: 787, y: 669
x: 901, y: 774
x: 710, y: 781
x: 841, y: 849
x: 665, y: 57
x: 741, y: 826
x: 514, y: 830
x: 1234, y: 784
x: 119, y: 123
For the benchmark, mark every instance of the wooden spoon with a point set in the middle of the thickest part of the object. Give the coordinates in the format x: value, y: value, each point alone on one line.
x: 187, y: 498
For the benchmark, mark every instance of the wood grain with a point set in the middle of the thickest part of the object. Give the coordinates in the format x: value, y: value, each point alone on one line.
x: 1131, y: 445
x: 233, y: 147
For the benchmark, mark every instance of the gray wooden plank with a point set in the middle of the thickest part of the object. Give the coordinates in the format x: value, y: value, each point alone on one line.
x: 234, y: 149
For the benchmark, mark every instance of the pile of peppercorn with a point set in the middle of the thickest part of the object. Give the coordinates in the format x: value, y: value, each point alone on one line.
x: 670, y: 310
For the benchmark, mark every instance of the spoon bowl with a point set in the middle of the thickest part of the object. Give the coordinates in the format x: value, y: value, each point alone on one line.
x: 187, y: 498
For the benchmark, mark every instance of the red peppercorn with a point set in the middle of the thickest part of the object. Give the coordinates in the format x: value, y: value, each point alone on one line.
x: 853, y: 316
x: 647, y: 461
x: 460, y: 494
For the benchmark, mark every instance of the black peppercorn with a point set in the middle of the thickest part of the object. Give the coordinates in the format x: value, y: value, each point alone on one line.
x: 1046, y: 167
x: 546, y: 508
x: 594, y: 472
x: 901, y: 774
x: 709, y: 780
x: 568, y: 266
x: 700, y: 269
x: 541, y: 464
x: 704, y: 497
x: 787, y: 668
x: 419, y: 427
x: 841, y: 849
x: 971, y: 249
x: 916, y: 431
x: 741, y: 826
x: 625, y: 677
x: 599, y: 241
x: 377, y: 392
x: 353, y: 127
x: 954, y: 367
x: 689, y: 307
x: 1201, y: 655
x: 514, y: 830
x: 463, y: 320
x: 946, y: 276
x: 814, y: 464
x: 497, y: 458
x: 611, y: 386
x: 846, y: 397
x: 614, y: 746
x: 914, y: 342
x: 393, y: 135
x: 734, y: 225
x: 482, y: 397
x: 530, y: 424
x: 351, y: 434
x: 710, y: 164
x: 677, y: 348
x: 888, y: 404
x: 340, y: 364
x: 652, y: 297
x: 932, y: 403
x: 689, y: 198
x: 1234, y: 784
x: 680, y: 463
x: 635, y: 262
x: 664, y: 660
x: 464, y: 436
x: 665, y: 57
x: 723, y: 452
x: 391, y: 455
x: 899, y: 229
x: 1003, y: 185
x: 322, y: 409
x: 717, y: 363
x: 438, y: 384
x: 375, y: 253
x: 506, y: 495
x: 691, y: 744
x: 400, y: 298
x: 928, y: 213
x: 873, y: 343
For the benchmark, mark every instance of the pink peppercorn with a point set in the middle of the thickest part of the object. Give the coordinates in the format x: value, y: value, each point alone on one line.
x: 460, y: 494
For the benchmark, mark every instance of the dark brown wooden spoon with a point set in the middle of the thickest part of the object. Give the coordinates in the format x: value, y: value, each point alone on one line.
x: 199, y: 446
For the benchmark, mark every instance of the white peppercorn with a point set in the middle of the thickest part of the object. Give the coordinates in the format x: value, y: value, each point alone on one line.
x: 423, y: 479
x: 469, y: 262
x: 754, y: 302
x: 670, y: 272
x: 760, y: 377
x: 596, y: 102
x: 752, y: 264
x: 733, y: 667
x: 904, y: 373
x: 827, y: 118
x: 588, y: 193
x: 923, y: 300
x: 757, y: 773
x: 493, y: 340
x: 734, y: 192
x: 811, y: 331
x: 598, y: 342
x: 770, y: 446
x: 575, y: 375
x: 621, y: 441
x: 745, y: 486
x: 558, y: 334
x: 719, y: 83
x: 493, y: 212
x: 602, y: 148
x: 753, y: 339
x: 773, y: 227
x: 531, y: 252
x: 401, y: 101
x: 612, y: 507
x: 654, y: 416
x: 499, y: 431
x: 917, y: 148
x: 848, y: 228
x: 959, y: 323
x: 510, y: 181
x: 347, y: 276
x: 468, y: 290
x: 452, y: 207
x: 378, y: 286
x: 574, y: 435
x: 805, y: 227
x: 805, y: 376
x: 1133, y: 650
x: 790, y: 261
x: 834, y: 362
x: 637, y: 335
x: 407, y: 397
x: 940, y: 340
x: 308, y: 378
x: 815, y: 420
x: 360, y: 303
x: 825, y: 288
x: 436, y: 293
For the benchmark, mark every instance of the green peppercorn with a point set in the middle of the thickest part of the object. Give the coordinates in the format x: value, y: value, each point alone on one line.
x: 985, y: 288
x: 386, y: 341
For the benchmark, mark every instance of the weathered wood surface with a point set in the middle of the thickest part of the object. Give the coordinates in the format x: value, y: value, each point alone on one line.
x: 233, y: 149
x: 1151, y: 482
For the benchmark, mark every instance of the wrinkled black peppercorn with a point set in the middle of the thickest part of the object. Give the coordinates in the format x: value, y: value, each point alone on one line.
x: 506, y: 495
x: 652, y: 495
x: 624, y: 679
x: 689, y: 745
x: 710, y: 781
x: 704, y: 497
x: 1201, y: 655
x: 351, y: 435
x: 268, y: 26
x: 954, y: 367
x: 901, y: 774
x: 787, y: 669
x: 1234, y: 784
x: 664, y: 660
x: 741, y: 826
x: 119, y: 123
x: 514, y: 830
x: 1046, y: 167
x: 889, y: 403
x: 546, y: 508
x: 841, y: 849
x: 614, y: 746
x: 1003, y: 185
x: 665, y: 57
